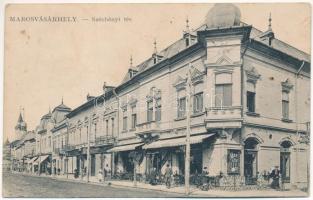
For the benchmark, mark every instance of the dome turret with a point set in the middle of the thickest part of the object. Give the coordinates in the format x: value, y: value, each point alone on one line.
x: 223, y: 15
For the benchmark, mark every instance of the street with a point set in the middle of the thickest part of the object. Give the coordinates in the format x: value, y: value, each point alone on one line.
x: 18, y: 185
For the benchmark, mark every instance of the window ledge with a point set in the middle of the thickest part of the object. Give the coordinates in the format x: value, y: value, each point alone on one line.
x: 252, y: 114
x: 132, y: 129
x: 286, y: 120
x: 180, y: 118
x: 124, y: 131
x: 197, y: 114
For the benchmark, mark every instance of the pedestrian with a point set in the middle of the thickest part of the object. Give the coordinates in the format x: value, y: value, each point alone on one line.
x: 205, y: 177
x: 275, y: 174
x: 75, y: 173
x: 100, y: 176
x: 104, y: 173
x: 153, y: 176
x: 168, y: 175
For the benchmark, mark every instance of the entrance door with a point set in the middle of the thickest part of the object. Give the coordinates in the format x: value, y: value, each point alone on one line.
x: 250, y: 161
x: 78, y: 164
x: 285, y: 166
x: 196, y: 160
x: 250, y: 167
x: 285, y: 161
x: 93, y: 165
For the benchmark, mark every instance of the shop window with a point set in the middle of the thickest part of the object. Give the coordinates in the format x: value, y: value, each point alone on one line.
x: 181, y: 107
x: 198, y: 103
x: 149, y: 111
x: 285, y: 105
x: 158, y: 109
x: 233, y: 161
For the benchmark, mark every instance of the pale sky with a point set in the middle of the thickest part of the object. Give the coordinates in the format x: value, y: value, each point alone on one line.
x: 45, y: 61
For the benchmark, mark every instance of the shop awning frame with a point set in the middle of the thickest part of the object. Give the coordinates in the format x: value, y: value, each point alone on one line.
x: 125, y: 147
x: 32, y: 160
x: 174, y: 142
x: 42, y: 158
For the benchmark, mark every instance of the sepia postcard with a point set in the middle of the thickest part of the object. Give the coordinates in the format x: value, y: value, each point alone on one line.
x: 156, y: 100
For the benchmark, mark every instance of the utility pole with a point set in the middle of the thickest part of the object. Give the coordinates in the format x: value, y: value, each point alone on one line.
x: 88, y: 147
x: 187, y: 159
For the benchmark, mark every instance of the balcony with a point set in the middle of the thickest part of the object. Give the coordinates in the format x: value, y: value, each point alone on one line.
x: 223, y: 117
x: 104, y: 140
x: 151, y: 128
x: 67, y: 148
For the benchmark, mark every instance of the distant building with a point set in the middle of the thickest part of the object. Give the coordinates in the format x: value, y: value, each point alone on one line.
x: 6, y: 154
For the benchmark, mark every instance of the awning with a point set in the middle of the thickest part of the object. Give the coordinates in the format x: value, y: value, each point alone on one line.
x: 125, y: 147
x: 176, y: 141
x: 42, y: 158
x: 32, y: 160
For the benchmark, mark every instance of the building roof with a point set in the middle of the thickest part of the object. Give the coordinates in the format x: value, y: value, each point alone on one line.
x: 255, y: 34
x: 62, y: 107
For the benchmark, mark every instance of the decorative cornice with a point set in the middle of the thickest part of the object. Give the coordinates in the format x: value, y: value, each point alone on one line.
x: 180, y: 83
x: 132, y: 102
x: 286, y: 86
x: 224, y: 69
x: 252, y: 75
x: 197, y: 76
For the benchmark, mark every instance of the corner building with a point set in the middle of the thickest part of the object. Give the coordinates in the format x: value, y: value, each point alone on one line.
x: 249, y: 105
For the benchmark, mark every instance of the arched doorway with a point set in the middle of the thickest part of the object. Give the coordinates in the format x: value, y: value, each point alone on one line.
x: 250, y: 161
x: 285, y: 160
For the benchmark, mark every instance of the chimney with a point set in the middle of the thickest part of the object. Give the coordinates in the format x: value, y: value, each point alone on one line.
x: 89, y: 97
x: 104, y: 87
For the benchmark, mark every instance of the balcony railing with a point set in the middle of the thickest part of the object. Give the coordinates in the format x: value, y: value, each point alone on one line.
x: 223, y: 116
x: 67, y: 148
x: 105, y: 140
x: 56, y: 150
x: 148, y: 127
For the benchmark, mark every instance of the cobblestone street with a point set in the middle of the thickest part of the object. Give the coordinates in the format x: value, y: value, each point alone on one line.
x: 18, y: 185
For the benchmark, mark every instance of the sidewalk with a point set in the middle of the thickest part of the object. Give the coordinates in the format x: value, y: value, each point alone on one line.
x: 180, y: 189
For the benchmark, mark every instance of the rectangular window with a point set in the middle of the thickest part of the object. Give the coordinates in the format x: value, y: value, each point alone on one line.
x: 223, y: 95
x: 187, y: 42
x: 251, y: 101
x: 233, y: 161
x: 198, y: 102
x: 49, y: 141
x: 124, y: 123
x: 134, y: 120
x: 158, y: 109
x: 149, y: 111
x: 181, y: 107
x: 112, y: 123
x: 285, y: 105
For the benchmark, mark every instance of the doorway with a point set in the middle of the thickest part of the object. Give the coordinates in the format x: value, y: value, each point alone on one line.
x: 250, y: 161
x: 285, y: 161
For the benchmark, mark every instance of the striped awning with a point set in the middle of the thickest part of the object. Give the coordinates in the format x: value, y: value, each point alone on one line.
x: 176, y: 141
x: 125, y: 147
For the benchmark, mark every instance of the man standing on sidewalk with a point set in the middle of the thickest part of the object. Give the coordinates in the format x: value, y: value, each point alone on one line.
x: 168, y: 175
